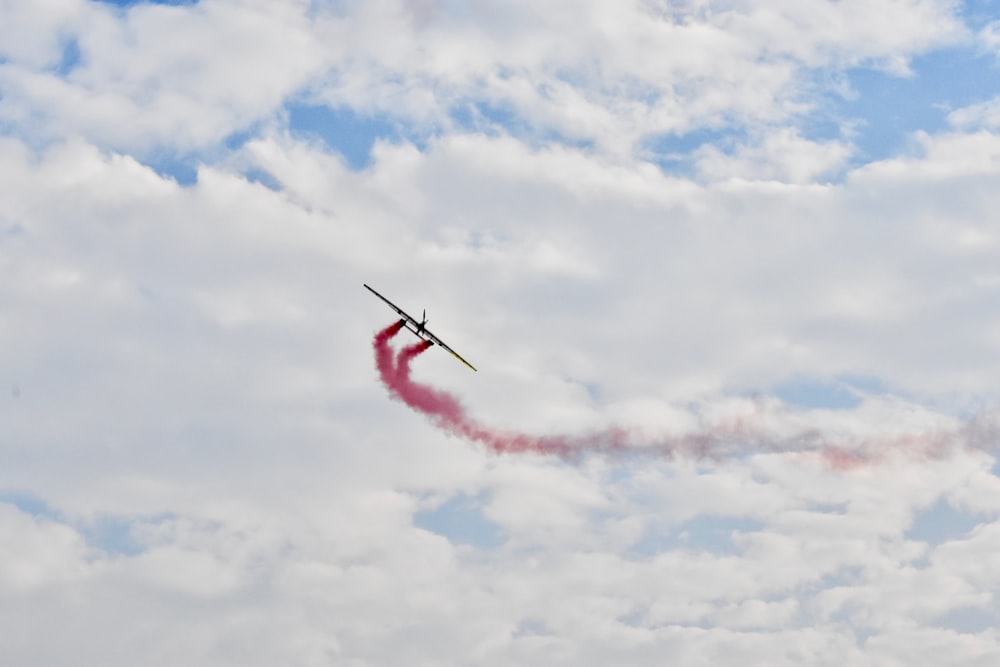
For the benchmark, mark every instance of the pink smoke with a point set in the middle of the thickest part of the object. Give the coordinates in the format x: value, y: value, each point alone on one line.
x: 712, y: 441
x: 447, y: 412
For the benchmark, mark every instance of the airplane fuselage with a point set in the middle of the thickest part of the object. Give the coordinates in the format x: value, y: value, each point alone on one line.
x: 418, y: 328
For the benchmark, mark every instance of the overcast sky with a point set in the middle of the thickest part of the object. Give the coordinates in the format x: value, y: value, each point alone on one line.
x: 666, y: 216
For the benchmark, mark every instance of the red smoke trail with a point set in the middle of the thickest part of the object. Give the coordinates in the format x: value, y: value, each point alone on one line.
x: 714, y: 440
x: 448, y: 413
x: 383, y: 354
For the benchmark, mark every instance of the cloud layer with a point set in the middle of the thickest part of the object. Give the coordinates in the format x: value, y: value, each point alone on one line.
x: 645, y: 213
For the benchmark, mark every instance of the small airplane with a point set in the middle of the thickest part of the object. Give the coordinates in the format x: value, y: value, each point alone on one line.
x: 420, y: 328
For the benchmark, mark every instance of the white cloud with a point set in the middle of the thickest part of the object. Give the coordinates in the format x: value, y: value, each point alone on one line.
x: 40, y: 554
x: 35, y: 34
x: 193, y: 364
x: 624, y: 71
x: 983, y: 115
x: 782, y: 155
x: 156, y: 75
x: 188, y: 76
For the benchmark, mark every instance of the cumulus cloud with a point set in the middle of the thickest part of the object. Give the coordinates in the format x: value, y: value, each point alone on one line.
x: 188, y: 76
x: 199, y: 462
x: 982, y: 115
x: 155, y: 76
x: 781, y: 156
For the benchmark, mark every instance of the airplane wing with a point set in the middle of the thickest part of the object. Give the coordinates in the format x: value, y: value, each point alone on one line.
x: 415, y: 324
x: 441, y: 343
x: 399, y: 310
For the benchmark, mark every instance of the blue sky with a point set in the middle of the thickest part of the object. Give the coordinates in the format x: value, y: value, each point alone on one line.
x: 876, y: 111
x: 763, y: 229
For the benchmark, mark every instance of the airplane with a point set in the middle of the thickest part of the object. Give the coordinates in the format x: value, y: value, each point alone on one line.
x: 420, y: 328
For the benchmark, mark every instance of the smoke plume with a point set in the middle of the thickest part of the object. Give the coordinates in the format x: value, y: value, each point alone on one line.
x: 766, y: 427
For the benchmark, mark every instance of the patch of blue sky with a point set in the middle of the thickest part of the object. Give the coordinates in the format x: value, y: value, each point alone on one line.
x: 979, y: 13
x: 942, y: 523
x: 111, y: 534
x: 485, y: 117
x: 675, y: 153
x: 711, y: 534
x: 968, y: 620
x: 237, y: 140
x: 264, y: 178
x: 29, y: 504
x: 461, y: 521
x: 843, y: 393
x: 181, y: 168
x: 70, y: 57
x: 812, y: 395
x: 884, y: 111
x: 347, y: 132
x: 880, y: 113
x: 352, y: 134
